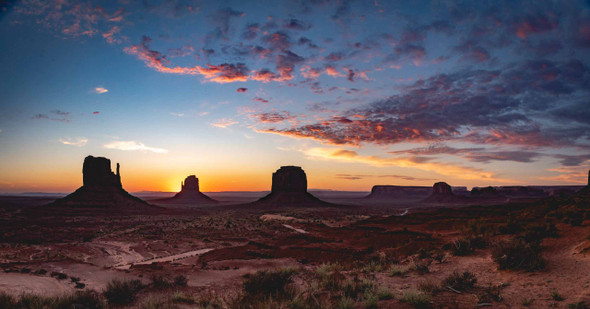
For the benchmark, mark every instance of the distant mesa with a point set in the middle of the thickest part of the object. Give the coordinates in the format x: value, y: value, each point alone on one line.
x: 487, y: 193
x: 385, y: 192
x: 443, y: 193
x: 102, y: 189
x: 189, y: 194
x: 289, y: 189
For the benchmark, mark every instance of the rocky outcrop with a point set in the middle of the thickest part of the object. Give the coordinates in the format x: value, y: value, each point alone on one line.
x: 189, y: 194
x: 96, y: 171
x: 289, y: 189
x: 101, y: 189
x: 289, y: 179
x: 442, y: 193
x: 384, y: 193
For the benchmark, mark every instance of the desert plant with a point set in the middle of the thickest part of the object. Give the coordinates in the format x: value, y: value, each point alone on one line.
x: 370, y: 301
x: 397, y: 270
x: 492, y: 293
x: 527, y: 301
x: 80, y: 299
x: 122, y: 292
x: 461, y: 247
x: 556, y: 296
x: 159, y: 281
x: 384, y: 293
x: 518, y: 254
x: 6, y: 301
x: 428, y: 286
x: 180, y: 297
x: 345, y: 303
x: 267, y: 283
x: 578, y: 305
x: 460, y: 282
x: 416, y: 299
x: 180, y: 280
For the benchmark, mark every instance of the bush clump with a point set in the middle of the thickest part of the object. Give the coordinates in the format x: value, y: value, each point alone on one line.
x: 460, y: 282
x: 518, y: 254
x: 267, y: 283
x: 122, y: 292
x: 416, y: 299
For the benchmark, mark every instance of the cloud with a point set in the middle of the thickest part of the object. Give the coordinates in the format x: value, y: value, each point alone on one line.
x: 54, y: 115
x: 224, y: 123
x: 530, y: 104
x: 446, y: 169
x: 133, y: 146
x: 403, y: 177
x: 100, y: 90
x: 79, y: 142
x: 273, y: 117
x: 534, y: 24
x: 242, y: 90
x: 261, y: 100
x: 96, y: 112
x: 177, y: 114
x: 474, y: 154
x: 296, y: 24
x: 223, y: 73
x: 110, y: 36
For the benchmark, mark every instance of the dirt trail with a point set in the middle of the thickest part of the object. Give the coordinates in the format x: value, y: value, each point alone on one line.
x: 17, y: 284
x: 169, y: 258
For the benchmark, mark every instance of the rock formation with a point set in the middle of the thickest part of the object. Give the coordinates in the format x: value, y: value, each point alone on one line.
x: 102, y: 189
x: 396, y: 193
x: 189, y: 194
x: 443, y: 193
x: 289, y: 189
x: 487, y: 193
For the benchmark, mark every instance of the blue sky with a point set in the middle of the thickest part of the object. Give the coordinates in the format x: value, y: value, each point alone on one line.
x: 356, y: 92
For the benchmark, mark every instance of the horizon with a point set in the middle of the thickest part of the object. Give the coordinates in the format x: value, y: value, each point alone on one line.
x: 357, y: 93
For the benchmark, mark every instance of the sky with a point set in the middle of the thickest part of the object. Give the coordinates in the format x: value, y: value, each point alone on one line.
x: 357, y: 93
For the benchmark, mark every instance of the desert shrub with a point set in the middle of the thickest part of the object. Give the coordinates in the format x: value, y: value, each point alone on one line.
x: 461, y: 247
x: 460, y: 282
x: 428, y: 286
x: 478, y: 228
x: 491, y: 293
x: 30, y: 301
x: 439, y: 257
x: 421, y: 268
x: 80, y: 299
x: 536, y: 233
x: 578, y: 305
x: 180, y: 297
x: 518, y: 254
x: 424, y: 254
x: 155, y: 303
x: 384, y: 293
x: 556, y: 296
x: 122, y: 292
x: 510, y: 227
x: 416, y: 299
x: 160, y: 281
x: 267, y: 283
x: 527, y: 301
x: 345, y: 303
x: 370, y: 301
x: 6, y: 301
x: 180, y: 280
x: 397, y: 270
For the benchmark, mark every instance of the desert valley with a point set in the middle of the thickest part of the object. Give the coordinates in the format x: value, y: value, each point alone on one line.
x: 294, y: 154
x: 397, y: 247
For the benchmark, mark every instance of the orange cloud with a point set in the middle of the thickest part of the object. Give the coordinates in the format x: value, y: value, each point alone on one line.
x: 447, y: 169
